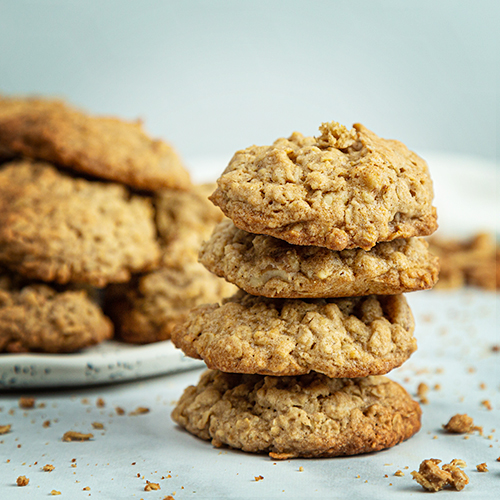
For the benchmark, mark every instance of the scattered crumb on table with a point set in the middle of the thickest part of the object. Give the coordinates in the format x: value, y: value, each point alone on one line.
x: 26, y: 403
x: 4, y: 429
x: 76, y: 436
x: 433, y: 478
x: 151, y: 486
x: 140, y: 410
x: 22, y: 481
x: 462, y: 424
x: 482, y: 467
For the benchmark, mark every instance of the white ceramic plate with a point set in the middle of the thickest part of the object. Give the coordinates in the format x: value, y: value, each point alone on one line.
x: 108, y: 362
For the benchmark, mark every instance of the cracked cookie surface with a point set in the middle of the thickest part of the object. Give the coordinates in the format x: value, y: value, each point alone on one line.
x: 350, y: 337
x: 105, y: 147
x: 59, y: 228
x: 344, y: 189
x: 308, y: 416
x: 36, y: 317
x: 263, y: 265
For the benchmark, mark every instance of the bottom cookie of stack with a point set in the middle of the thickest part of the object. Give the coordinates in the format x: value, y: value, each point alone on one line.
x: 304, y: 416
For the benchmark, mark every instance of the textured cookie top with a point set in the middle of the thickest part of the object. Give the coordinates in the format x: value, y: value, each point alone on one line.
x: 184, y: 219
x: 36, y: 317
x: 308, y: 416
x: 351, y: 337
x: 57, y: 228
x: 105, y: 147
x: 148, y: 309
x: 344, y: 189
x: 263, y: 265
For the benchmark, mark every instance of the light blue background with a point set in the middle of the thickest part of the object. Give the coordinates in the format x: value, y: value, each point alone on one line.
x: 216, y: 76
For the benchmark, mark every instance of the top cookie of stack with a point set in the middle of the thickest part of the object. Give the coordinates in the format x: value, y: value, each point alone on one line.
x: 343, y: 189
x: 74, y: 212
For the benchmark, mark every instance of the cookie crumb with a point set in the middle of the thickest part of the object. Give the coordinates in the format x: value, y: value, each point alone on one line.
x: 482, y: 467
x: 97, y: 425
x: 462, y: 424
x: 422, y: 391
x: 26, y: 403
x: 169, y: 497
x: 87, y: 488
x: 55, y: 492
x: 433, y: 478
x: 487, y: 404
x: 22, y: 481
x: 259, y: 478
x: 399, y: 473
x: 119, y: 410
x: 76, y: 436
x: 100, y: 403
x: 48, y: 468
x: 140, y: 410
x: 301, y: 469
x: 46, y: 424
x: 4, y: 429
x: 151, y: 486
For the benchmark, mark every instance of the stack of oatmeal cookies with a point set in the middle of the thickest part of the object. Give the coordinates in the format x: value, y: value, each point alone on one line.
x: 84, y: 205
x: 322, y: 242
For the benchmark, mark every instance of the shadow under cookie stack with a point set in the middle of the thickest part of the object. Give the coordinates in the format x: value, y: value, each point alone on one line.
x: 322, y: 242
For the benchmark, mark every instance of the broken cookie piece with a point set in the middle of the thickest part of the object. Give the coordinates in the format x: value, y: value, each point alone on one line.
x: 433, y: 478
x: 462, y: 424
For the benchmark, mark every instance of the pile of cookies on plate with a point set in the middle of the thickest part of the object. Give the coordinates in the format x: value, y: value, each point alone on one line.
x: 323, y: 239
x: 94, y: 213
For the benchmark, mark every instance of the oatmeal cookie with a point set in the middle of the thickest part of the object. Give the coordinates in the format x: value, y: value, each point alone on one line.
x: 104, y: 147
x: 343, y: 189
x: 36, y: 317
x: 350, y: 337
x: 147, y: 309
x: 307, y: 416
x: 58, y: 228
x: 263, y: 265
